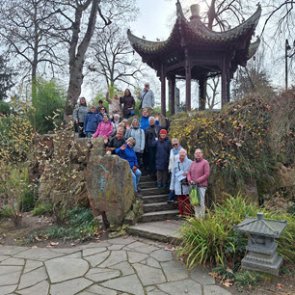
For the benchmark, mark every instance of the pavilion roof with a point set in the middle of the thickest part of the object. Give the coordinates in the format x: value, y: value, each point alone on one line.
x: 194, y: 34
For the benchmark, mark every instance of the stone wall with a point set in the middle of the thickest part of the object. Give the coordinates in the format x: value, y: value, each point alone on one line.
x: 77, y: 172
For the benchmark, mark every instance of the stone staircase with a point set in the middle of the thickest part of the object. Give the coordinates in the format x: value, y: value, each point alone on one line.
x: 155, y: 205
x: 159, y: 220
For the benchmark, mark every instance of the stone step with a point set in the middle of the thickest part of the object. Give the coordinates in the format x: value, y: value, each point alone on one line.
x: 145, y: 178
x: 160, y: 206
x: 153, y: 191
x: 165, y: 231
x: 155, y: 198
x: 148, y: 184
x: 159, y: 216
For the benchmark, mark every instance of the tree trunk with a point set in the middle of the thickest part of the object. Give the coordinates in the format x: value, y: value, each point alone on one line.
x: 77, y: 54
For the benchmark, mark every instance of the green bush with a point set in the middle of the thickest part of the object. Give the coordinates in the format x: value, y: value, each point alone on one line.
x: 80, y: 224
x: 213, y: 240
x: 48, y: 104
x: 15, y: 189
x: 42, y: 209
x: 4, y: 107
x: 6, y: 212
x: 16, y: 134
x: 247, y: 278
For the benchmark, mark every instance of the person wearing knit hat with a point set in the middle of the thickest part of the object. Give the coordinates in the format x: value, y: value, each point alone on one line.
x: 163, y: 147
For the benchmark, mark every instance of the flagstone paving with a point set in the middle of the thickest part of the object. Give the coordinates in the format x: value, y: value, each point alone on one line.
x: 122, y: 266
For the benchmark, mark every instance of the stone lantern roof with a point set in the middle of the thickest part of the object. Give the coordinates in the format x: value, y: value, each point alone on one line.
x: 262, y: 227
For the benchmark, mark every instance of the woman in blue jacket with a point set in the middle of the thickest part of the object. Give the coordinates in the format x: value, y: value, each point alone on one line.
x: 93, y: 118
x: 127, y: 153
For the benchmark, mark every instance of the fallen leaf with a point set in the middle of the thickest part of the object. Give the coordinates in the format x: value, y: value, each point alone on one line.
x: 53, y: 244
x: 227, y: 283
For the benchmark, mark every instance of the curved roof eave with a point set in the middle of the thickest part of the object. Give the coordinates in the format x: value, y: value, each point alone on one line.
x: 197, y: 28
x: 253, y: 47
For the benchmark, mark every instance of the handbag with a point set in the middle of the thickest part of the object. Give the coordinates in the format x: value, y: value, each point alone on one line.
x: 184, y: 181
x: 194, y: 196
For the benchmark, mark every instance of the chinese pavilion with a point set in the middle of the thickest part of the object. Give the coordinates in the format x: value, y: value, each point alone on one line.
x: 194, y: 52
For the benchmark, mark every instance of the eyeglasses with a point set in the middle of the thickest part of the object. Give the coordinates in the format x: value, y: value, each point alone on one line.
x: 175, y: 144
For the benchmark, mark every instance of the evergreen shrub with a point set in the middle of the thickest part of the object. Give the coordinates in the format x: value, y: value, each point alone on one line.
x: 214, y: 241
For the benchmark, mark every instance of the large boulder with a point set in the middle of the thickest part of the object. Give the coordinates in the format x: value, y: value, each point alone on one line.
x: 63, y: 173
x: 109, y: 187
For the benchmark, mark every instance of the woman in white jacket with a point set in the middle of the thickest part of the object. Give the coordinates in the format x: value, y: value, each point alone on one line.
x: 174, y: 157
x: 179, y: 184
x: 138, y: 134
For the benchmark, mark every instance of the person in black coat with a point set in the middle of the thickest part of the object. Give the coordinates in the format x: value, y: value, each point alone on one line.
x: 163, y: 147
x: 128, y: 104
x: 151, y: 135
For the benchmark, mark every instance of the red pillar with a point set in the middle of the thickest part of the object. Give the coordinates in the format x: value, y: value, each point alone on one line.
x: 172, y: 86
x: 202, y: 93
x: 163, y: 91
x: 225, y: 83
x: 188, y: 78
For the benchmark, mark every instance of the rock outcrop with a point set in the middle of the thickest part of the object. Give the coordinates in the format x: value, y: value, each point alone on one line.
x: 77, y: 172
x: 109, y: 186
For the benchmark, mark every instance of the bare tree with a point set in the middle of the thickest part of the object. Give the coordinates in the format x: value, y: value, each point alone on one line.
x: 114, y: 57
x: 25, y: 27
x: 212, y: 97
x: 78, y: 20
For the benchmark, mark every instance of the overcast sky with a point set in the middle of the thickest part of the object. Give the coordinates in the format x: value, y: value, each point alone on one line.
x: 156, y: 18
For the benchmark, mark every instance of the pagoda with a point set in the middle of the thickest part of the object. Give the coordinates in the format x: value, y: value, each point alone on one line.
x: 194, y: 52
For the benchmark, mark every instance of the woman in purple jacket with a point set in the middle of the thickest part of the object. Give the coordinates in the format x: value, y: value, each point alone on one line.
x: 104, y: 128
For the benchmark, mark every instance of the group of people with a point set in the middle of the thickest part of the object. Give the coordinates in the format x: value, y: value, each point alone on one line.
x: 144, y: 143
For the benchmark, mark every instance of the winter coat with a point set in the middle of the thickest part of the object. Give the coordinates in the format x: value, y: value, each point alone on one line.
x: 162, y: 153
x: 150, y: 134
x: 139, y: 136
x: 128, y: 154
x: 148, y: 99
x: 175, y: 184
x: 115, y: 143
x: 128, y: 104
x: 103, y: 129
x: 199, y: 172
x: 79, y: 113
x: 144, y: 123
x: 91, y: 122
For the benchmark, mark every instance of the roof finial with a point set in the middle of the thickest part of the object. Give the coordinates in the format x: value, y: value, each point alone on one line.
x: 195, y: 11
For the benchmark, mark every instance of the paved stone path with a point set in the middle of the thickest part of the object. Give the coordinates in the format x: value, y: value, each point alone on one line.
x: 118, y: 266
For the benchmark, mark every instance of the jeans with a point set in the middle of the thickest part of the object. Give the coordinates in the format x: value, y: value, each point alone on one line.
x: 135, y: 178
x: 200, y: 210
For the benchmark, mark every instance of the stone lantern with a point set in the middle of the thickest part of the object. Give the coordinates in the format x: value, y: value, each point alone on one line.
x: 261, y: 249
